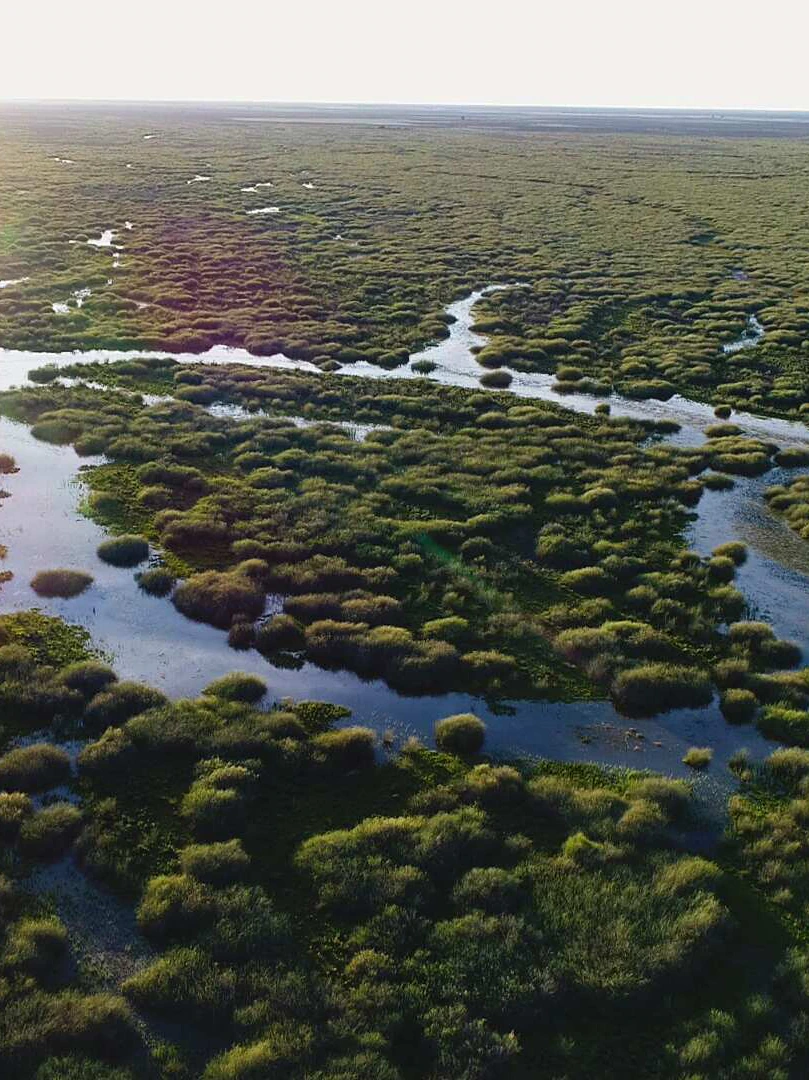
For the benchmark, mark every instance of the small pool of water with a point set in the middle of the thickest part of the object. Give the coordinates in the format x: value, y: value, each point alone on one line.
x: 358, y: 432
x: 750, y: 337
x: 103, y: 241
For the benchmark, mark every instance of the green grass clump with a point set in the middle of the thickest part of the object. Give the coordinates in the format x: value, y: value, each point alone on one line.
x: 734, y: 550
x: 739, y: 706
x: 216, y: 864
x: 653, y: 688
x: 124, y: 551
x: 62, y: 583
x: 34, y: 768
x: 50, y: 640
x: 784, y: 723
x: 89, y: 677
x: 237, y: 686
x: 219, y: 598
x: 15, y: 807
x: 698, y: 757
x: 496, y: 380
x: 119, y: 702
x: 35, y: 946
x: 463, y: 734
x: 158, y: 581
x: 48, y: 832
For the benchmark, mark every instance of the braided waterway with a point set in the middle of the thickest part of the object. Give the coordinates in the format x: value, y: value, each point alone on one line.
x: 147, y: 639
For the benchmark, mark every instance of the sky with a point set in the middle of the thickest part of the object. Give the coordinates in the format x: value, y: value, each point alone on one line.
x: 718, y: 54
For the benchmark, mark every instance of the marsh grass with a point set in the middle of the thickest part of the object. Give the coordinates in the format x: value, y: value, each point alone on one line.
x: 61, y: 583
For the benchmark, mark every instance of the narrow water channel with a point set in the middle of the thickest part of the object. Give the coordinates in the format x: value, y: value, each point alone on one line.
x: 148, y: 640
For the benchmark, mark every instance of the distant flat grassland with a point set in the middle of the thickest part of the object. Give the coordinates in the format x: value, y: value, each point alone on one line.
x: 645, y: 253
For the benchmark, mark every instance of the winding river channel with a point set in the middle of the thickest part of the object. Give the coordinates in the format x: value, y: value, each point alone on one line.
x: 147, y: 639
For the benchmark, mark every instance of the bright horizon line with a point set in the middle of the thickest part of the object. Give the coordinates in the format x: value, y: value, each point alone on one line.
x: 403, y: 104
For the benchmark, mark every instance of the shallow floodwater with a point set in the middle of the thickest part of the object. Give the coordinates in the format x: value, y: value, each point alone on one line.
x: 147, y: 639
x: 750, y: 337
x: 775, y: 577
x: 358, y: 432
x: 455, y: 366
x: 103, y: 241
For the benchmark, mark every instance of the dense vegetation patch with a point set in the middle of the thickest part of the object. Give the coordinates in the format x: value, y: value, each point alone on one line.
x: 472, y: 543
x: 317, y: 906
x: 634, y: 251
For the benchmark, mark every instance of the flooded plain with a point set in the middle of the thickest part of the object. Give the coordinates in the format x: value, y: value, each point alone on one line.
x: 148, y: 640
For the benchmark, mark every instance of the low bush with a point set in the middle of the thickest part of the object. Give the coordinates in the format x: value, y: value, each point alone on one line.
x: 738, y: 706
x: 89, y: 677
x: 280, y: 633
x: 219, y: 597
x: 698, y: 757
x: 64, y: 584
x: 496, y: 380
x: 655, y: 688
x: 158, y: 581
x: 35, y: 946
x: 124, y: 551
x: 15, y: 807
x: 119, y: 703
x: 48, y: 832
x: 347, y: 748
x: 34, y: 768
x: 216, y: 864
x: 237, y: 686
x: 174, y: 907
x: 785, y: 724
x: 734, y: 550
x: 462, y: 734
x: 789, y: 765
x: 214, y: 813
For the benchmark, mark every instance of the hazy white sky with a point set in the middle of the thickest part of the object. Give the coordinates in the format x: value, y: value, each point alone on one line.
x: 710, y: 53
